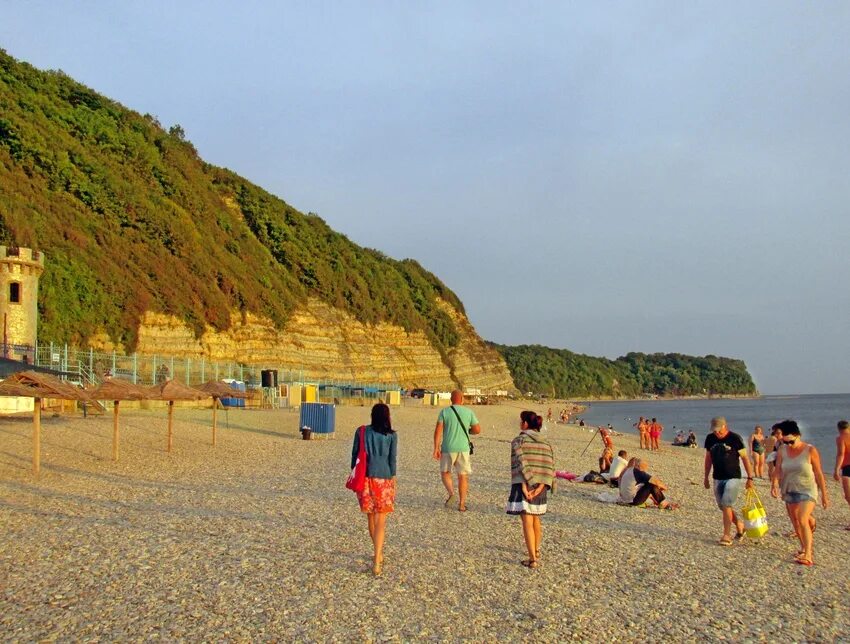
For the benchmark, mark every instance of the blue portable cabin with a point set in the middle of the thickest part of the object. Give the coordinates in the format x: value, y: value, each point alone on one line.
x: 234, y: 402
x: 319, y: 417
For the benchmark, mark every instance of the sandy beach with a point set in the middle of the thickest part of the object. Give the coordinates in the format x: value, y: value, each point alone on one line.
x: 258, y: 539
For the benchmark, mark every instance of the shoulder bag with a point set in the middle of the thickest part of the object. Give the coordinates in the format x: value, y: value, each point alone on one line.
x: 465, y: 431
x: 357, y: 479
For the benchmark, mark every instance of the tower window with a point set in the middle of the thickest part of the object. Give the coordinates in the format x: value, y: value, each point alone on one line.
x: 15, y: 293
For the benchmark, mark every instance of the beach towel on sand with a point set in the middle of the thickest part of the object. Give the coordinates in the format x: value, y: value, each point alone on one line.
x: 608, y: 497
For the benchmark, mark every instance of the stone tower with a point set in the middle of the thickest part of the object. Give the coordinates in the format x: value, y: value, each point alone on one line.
x: 20, y: 269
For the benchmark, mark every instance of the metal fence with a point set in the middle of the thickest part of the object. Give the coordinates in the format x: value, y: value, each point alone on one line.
x: 93, y: 366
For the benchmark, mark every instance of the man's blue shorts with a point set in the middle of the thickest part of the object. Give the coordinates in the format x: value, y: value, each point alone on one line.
x: 726, y: 492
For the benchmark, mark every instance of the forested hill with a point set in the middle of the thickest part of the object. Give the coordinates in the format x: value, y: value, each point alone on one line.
x: 132, y: 220
x: 564, y: 374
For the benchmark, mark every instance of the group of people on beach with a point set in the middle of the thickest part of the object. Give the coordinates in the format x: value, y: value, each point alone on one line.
x: 794, y: 468
x: 532, y: 471
x: 650, y: 433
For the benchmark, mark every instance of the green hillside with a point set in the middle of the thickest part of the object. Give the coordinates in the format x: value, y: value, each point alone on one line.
x: 562, y: 373
x: 131, y: 219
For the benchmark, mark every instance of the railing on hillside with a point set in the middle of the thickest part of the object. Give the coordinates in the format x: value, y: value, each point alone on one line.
x: 25, y: 352
x: 93, y: 366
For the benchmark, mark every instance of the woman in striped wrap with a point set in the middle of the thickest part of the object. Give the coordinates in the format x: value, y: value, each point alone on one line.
x: 532, y: 475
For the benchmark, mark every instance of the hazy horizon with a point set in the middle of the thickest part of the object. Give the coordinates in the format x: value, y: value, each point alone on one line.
x: 603, y: 178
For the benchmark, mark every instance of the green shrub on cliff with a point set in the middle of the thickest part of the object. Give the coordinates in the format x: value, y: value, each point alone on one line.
x: 131, y: 219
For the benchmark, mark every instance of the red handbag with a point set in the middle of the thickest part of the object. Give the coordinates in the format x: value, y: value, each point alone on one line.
x: 357, y: 479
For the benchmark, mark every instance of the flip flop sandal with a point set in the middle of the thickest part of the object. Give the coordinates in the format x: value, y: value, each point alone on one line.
x: 804, y: 562
x: 449, y: 500
x: 461, y: 508
x: 530, y: 563
x: 725, y: 541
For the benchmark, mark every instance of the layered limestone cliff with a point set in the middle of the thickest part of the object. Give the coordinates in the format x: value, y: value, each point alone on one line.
x: 328, y: 344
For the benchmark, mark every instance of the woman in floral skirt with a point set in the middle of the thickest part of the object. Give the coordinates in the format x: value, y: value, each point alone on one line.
x: 377, y: 499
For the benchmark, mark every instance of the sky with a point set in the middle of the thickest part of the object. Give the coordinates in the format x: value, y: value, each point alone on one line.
x: 599, y: 176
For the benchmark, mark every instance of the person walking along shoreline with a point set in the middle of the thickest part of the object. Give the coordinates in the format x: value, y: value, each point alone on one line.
x: 724, y: 452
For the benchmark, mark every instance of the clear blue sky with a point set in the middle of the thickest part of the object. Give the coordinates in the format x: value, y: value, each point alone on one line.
x: 599, y: 176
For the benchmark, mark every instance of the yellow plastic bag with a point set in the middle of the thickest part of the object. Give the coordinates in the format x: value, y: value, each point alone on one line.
x: 755, y: 518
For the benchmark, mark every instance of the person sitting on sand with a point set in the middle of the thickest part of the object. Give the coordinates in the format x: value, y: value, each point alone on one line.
x: 637, y: 486
x: 842, y: 459
x: 377, y: 499
x: 618, y: 466
x: 692, y: 440
x: 532, y: 475
x: 605, y: 459
x: 680, y: 440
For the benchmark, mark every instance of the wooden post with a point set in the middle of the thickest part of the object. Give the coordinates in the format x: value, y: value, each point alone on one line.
x: 115, y: 431
x: 36, y: 437
x: 170, y: 419
x: 215, y: 409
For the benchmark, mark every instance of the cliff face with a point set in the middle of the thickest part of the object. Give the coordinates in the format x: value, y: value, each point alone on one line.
x: 327, y: 343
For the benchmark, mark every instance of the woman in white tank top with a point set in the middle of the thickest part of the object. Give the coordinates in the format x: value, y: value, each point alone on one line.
x: 799, y: 476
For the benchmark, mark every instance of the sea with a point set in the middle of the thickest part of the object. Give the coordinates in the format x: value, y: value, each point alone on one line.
x: 815, y: 414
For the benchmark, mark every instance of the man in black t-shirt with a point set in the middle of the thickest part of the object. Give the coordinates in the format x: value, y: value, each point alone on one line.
x: 724, y: 452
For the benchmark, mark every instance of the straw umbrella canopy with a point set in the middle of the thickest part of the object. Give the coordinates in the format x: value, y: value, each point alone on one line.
x: 218, y: 389
x: 36, y: 385
x: 172, y: 390
x: 116, y: 390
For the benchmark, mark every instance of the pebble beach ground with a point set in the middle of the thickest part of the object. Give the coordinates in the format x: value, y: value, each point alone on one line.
x: 258, y: 539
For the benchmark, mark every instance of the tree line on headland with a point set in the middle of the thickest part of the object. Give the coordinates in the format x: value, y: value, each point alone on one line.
x: 564, y: 374
x: 133, y: 220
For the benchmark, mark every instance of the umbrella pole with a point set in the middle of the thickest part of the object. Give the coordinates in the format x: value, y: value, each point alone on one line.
x: 215, y: 408
x: 170, y: 419
x: 115, y: 431
x: 36, y: 437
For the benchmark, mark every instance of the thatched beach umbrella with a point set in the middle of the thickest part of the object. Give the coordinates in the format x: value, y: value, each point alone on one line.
x: 116, y: 390
x: 35, y: 385
x: 172, y: 390
x: 218, y: 389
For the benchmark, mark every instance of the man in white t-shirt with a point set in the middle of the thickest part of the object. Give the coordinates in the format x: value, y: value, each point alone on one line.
x: 618, y: 466
x: 637, y: 486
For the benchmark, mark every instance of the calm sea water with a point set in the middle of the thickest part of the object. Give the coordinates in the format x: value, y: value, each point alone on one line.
x: 816, y: 415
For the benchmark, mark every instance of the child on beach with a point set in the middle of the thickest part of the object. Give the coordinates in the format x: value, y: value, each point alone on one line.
x: 378, y: 496
x: 532, y: 475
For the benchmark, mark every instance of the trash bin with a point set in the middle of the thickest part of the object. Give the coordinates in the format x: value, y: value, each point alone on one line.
x: 306, y: 432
